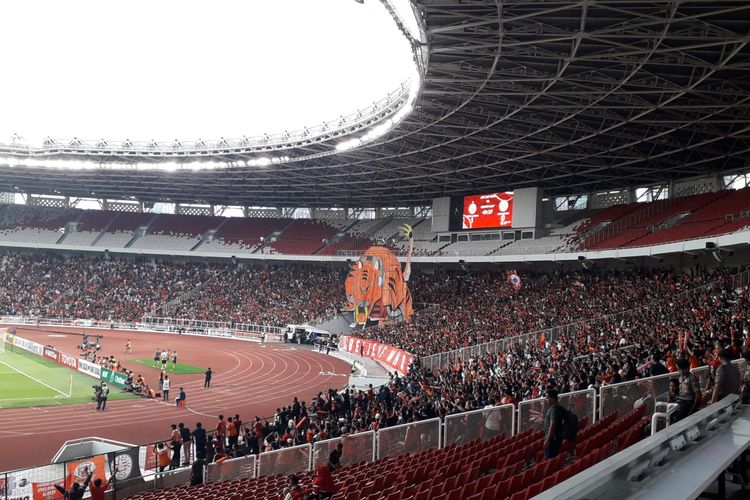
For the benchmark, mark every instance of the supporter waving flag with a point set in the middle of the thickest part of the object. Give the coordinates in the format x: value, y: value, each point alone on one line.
x: 514, y: 279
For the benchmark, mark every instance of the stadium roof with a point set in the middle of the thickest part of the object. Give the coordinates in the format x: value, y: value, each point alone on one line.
x: 572, y: 97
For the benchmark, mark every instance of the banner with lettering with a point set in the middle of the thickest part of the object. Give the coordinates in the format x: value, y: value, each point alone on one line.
x: 396, y: 358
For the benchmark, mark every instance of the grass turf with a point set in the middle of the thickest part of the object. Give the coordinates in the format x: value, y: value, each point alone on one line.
x: 28, y: 380
x: 181, y: 369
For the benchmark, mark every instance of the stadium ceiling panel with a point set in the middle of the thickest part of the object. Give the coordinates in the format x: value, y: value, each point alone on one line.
x: 572, y: 97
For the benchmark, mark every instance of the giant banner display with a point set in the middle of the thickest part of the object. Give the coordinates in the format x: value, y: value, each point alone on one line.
x: 376, y: 288
x: 483, y: 211
x: 394, y: 357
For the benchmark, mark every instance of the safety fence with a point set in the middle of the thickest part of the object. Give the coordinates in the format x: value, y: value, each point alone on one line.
x: 137, y: 468
x: 625, y: 396
x: 180, y: 326
x: 479, y: 425
x: 531, y: 413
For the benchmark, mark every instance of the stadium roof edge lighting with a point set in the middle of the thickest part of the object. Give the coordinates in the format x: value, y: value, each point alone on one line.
x: 349, y: 131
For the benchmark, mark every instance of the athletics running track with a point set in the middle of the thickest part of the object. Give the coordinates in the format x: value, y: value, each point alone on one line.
x: 249, y: 379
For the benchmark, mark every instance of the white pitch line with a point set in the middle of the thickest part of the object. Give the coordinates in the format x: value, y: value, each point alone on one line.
x: 34, y: 379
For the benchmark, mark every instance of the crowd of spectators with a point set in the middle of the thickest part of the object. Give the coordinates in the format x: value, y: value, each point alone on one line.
x: 117, y: 289
x: 463, y: 308
x: 622, y: 325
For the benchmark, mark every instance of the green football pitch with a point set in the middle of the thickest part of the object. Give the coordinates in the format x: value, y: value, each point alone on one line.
x: 28, y: 380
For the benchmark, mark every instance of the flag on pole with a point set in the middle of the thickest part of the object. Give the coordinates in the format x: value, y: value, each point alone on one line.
x: 514, y: 279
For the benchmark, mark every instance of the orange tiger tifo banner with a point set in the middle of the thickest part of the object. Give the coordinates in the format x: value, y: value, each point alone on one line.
x: 393, y: 357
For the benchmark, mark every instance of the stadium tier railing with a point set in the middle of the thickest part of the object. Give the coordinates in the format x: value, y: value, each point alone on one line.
x: 359, y: 447
x: 478, y: 425
x: 137, y: 469
x: 625, y: 396
x: 531, y: 413
x: 285, y: 460
x: 179, y: 326
x: 406, y: 438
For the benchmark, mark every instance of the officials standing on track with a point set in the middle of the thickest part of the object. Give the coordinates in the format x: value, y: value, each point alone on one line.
x: 101, y: 400
x: 207, y: 381
x: 165, y: 388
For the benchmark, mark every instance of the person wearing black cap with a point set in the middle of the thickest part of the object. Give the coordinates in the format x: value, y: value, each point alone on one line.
x: 727, y: 377
x: 689, y: 394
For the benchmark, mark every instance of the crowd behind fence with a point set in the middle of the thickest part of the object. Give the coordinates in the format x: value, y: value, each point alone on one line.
x: 138, y: 471
x: 445, y: 360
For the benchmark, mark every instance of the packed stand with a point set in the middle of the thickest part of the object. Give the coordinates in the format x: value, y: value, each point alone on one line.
x: 82, y: 287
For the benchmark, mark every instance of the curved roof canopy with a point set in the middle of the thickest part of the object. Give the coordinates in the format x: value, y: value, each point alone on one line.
x: 570, y: 96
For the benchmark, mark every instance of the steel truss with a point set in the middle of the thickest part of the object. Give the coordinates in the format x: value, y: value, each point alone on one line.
x: 570, y: 96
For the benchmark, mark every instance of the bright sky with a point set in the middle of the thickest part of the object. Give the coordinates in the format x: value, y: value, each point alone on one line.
x: 187, y: 69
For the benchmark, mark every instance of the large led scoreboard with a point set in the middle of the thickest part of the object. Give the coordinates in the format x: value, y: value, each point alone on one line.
x: 488, y: 211
x: 502, y: 210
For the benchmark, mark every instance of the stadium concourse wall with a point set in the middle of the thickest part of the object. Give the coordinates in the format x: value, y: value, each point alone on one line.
x: 731, y: 240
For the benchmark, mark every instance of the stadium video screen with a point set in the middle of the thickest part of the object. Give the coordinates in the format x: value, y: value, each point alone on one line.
x: 483, y: 211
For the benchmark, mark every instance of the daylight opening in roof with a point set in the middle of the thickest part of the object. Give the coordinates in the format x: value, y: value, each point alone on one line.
x: 176, y: 70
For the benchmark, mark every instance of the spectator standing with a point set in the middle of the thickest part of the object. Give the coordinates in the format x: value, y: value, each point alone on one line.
x: 197, y: 472
x: 199, y: 438
x: 187, y: 439
x: 165, y: 388
x: 162, y: 456
x: 492, y: 424
x: 323, y: 484
x: 207, y: 380
x: 657, y: 368
x: 98, y: 487
x: 552, y: 425
x: 233, y: 434
x: 727, y: 377
x: 689, y: 394
x: 176, y: 444
x: 76, y: 491
x: 221, y: 430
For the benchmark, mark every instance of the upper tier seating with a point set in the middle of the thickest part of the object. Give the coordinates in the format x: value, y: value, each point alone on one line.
x: 191, y: 225
x: 303, y: 237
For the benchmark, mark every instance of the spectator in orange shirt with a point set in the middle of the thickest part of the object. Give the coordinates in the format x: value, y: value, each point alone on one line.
x: 221, y: 429
x: 162, y: 456
x: 233, y: 433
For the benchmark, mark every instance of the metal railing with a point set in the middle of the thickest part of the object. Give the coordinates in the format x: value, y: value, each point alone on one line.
x: 160, y: 325
x: 142, y: 472
x: 531, y: 413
